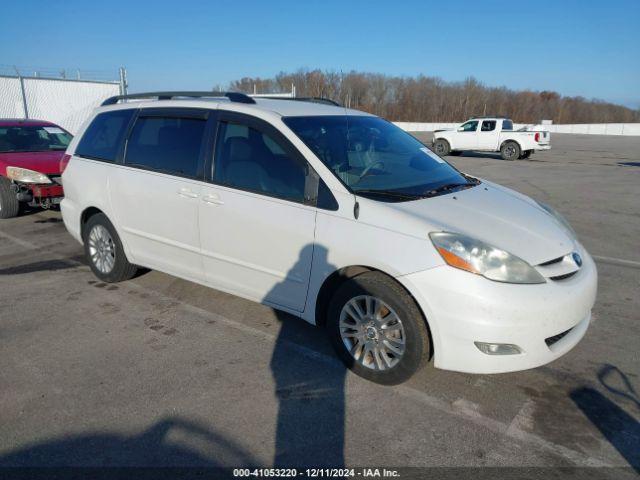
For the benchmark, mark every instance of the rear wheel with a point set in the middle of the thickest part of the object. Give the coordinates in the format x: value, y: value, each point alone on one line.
x: 510, y: 151
x: 441, y: 147
x: 104, y: 252
x: 377, y: 329
x: 9, y: 204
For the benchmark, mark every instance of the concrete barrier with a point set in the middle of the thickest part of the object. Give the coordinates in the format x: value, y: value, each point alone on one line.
x: 578, y: 128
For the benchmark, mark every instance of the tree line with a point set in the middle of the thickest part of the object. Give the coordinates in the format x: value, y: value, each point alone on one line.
x: 431, y: 99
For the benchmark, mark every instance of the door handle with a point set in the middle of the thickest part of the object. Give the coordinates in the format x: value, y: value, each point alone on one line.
x: 212, y: 198
x: 188, y: 193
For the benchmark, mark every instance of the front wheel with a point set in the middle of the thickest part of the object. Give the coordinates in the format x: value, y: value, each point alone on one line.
x: 441, y: 147
x: 377, y: 329
x: 9, y: 204
x: 104, y: 252
x: 510, y: 151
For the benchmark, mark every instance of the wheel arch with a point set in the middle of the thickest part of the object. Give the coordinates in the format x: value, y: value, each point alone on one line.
x: 511, y: 140
x: 444, y: 139
x: 86, y: 214
x: 338, y: 277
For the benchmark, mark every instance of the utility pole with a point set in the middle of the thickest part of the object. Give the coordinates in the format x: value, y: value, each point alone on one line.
x: 123, y: 81
x: 22, y: 92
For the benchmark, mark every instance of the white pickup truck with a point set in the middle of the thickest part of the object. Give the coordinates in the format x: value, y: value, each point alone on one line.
x: 490, y: 134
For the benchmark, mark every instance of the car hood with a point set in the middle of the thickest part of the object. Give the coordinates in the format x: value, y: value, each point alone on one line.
x: 43, y: 162
x: 488, y: 212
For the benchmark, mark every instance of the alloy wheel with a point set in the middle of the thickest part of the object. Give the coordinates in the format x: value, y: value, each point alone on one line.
x: 102, y: 249
x: 372, y: 332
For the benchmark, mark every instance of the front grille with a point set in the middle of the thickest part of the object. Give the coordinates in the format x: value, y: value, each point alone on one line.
x: 563, y: 277
x: 556, y: 338
x: 551, y: 262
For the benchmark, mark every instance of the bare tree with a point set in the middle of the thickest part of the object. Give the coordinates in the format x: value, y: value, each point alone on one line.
x: 430, y: 99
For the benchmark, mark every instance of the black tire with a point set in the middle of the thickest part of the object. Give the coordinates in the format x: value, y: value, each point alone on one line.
x: 416, y: 341
x: 510, y: 151
x: 526, y: 154
x: 121, y: 270
x: 9, y: 204
x: 455, y: 153
x: 441, y: 147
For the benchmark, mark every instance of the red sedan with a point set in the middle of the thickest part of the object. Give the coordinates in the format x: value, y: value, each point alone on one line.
x: 31, y: 154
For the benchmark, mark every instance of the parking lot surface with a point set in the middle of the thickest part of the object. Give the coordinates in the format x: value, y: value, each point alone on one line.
x: 160, y: 371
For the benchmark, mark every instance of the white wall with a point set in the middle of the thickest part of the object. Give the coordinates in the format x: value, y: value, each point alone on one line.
x: 591, y: 129
x: 10, y: 98
x: 64, y: 102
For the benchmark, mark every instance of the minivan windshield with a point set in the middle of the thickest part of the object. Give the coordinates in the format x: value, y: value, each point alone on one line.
x: 374, y: 158
x: 31, y: 138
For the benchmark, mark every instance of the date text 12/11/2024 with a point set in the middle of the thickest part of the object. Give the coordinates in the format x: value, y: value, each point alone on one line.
x: 316, y: 472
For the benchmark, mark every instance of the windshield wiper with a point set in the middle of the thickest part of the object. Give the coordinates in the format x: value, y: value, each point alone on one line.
x: 388, y: 193
x: 472, y: 180
x: 447, y: 187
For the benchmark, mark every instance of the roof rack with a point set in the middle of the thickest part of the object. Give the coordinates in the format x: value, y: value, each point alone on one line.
x: 325, y: 101
x: 232, y: 96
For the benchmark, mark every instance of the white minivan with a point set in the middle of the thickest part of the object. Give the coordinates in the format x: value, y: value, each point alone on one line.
x: 335, y: 216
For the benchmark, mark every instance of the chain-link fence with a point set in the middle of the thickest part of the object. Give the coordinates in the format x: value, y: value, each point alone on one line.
x: 55, y: 95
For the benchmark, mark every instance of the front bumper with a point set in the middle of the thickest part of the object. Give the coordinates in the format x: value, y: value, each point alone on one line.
x: 38, y: 195
x: 46, y: 191
x: 462, y: 308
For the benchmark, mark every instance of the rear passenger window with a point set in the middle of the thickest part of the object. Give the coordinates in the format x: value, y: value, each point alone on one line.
x: 507, y: 125
x: 488, y: 125
x: 249, y: 159
x: 103, y: 138
x: 171, y: 145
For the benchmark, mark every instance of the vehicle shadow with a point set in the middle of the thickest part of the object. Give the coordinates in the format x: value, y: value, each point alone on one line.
x: 49, y: 220
x: 311, y: 392
x: 616, y: 425
x: 164, y: 444
x: 494, y: 156
x: 45, y: 266
x: 26, y: 211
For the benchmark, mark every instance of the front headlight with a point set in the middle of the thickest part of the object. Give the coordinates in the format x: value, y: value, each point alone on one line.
x: 561, y: 220
x: 26, y: 176
x: 474, y: 256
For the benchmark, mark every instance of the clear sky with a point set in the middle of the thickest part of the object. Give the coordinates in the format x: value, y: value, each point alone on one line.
x: 588, y: 48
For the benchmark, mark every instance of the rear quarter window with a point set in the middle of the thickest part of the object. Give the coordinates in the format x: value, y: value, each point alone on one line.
x: 104, y: 137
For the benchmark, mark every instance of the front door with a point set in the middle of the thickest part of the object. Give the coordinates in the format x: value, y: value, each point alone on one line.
x: 256, y: 228
x: 467, y: 137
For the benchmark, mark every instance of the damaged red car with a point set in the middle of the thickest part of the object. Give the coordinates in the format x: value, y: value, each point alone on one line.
x: 31, y: 163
